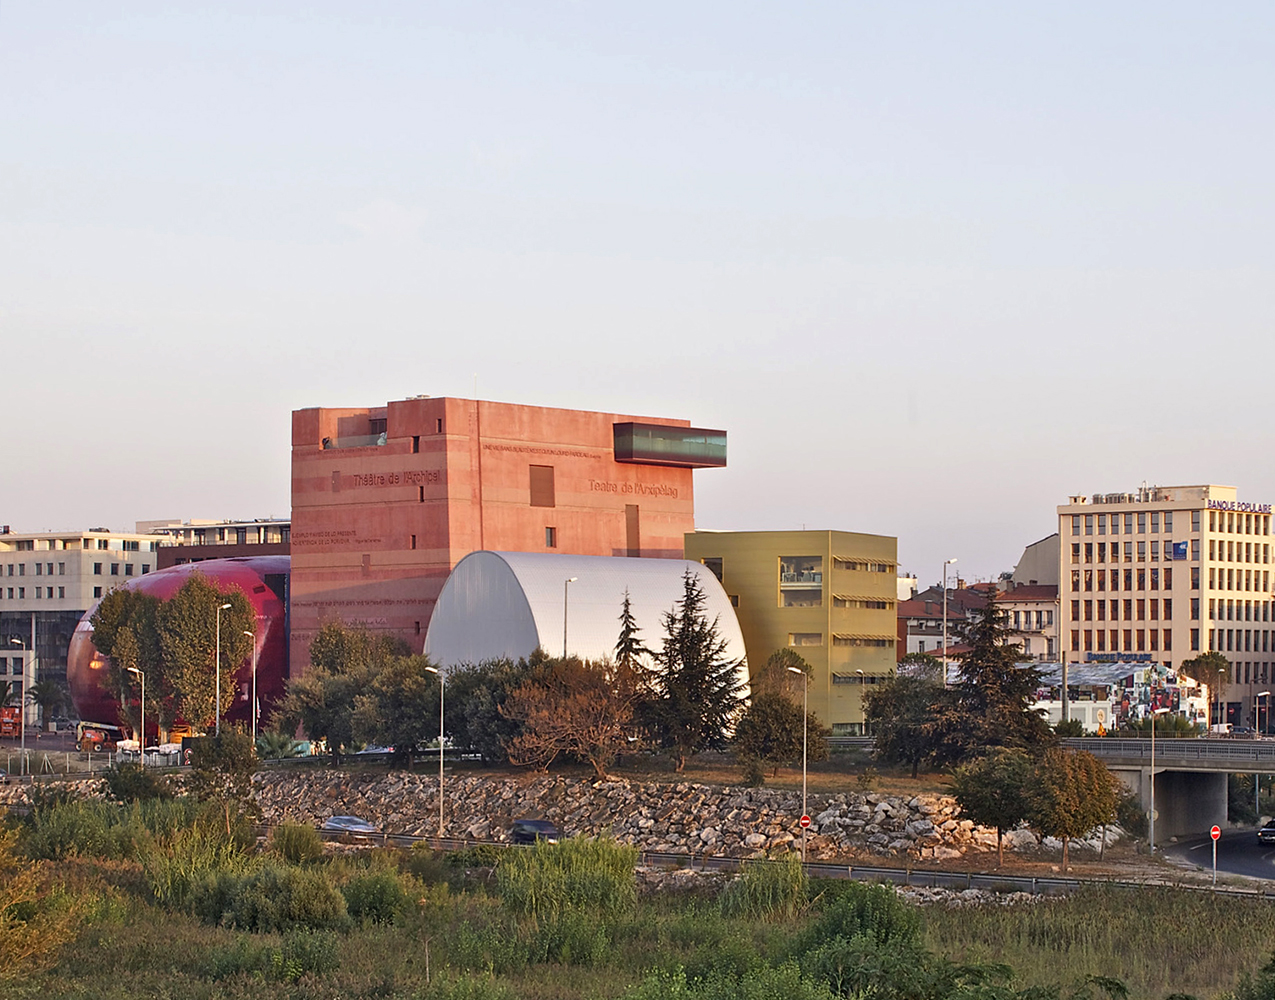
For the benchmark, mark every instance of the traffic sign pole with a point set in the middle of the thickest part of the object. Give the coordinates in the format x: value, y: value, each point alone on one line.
x: 1215, y: 833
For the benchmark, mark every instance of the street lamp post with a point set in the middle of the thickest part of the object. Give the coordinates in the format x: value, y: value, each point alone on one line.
x: 441, y: 686
x: 862, y: 680
x: 22, y: 710
x: 253, y: 637
x: 1257, y: 728
x: 805, y: 721
x: 141, y: 722
x: 1151, y: 826
x: 217, y: 728
x: 945, y: 566
x: 565, y: 585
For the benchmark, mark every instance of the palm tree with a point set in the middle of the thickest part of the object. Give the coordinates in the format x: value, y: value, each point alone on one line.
x: 8, y: 693
x: 276, y: 746
x: 47, y: 696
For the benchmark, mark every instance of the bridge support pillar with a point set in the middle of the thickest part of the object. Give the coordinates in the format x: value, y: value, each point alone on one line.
x: 1189, y: 802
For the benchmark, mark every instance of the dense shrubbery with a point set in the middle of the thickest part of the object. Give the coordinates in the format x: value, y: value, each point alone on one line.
x: 271, y: 898
x: 543, y: 881
x: 376, y: 896
x: 767, y: 890
x: 165, y: 902
x: 296, y: 843
x: 134, y: 783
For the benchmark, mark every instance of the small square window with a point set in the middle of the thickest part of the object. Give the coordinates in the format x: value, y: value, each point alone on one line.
x: 128, y: 569
x: 115, y: 569
x: 97, y: 591
x: 97, y: 569
x: 146, y: 568
x: 61, y: 592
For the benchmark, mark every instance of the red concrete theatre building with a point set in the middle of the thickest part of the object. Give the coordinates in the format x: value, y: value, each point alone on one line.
x: 386, y: 500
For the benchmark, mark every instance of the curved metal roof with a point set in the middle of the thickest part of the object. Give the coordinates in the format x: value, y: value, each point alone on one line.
x: 505, y: 604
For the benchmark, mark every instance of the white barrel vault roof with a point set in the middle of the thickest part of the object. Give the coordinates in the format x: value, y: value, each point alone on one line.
x: 505, y: 604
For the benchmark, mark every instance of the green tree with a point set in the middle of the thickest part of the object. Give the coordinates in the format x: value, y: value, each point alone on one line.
x: 1073, y: 792
x: 188, y: 634
x: 343, y: 662
x: 774, y: 676
x: 770, y: 732
x: 901, y: 714
x: 992, y: 703
x: 996, y: 791
x: 697, y: 694
x: 1211, y: 669
x: 47, y: 696
x: 126, y: 631
x: 630, y: 652
x: 221, y: 770
x: 475, y: 694
x: 8, y: 693
x: 399, y: 706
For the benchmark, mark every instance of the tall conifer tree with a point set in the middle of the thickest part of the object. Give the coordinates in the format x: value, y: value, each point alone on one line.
x: 698, y: 695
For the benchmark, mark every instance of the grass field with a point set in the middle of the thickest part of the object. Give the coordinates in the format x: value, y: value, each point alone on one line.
x: 149, y: 909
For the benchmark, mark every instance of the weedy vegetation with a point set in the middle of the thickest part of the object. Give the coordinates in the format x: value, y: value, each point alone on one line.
x: 153, y: 895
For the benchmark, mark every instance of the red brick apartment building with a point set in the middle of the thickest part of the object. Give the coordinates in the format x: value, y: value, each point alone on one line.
x: 386, y: 500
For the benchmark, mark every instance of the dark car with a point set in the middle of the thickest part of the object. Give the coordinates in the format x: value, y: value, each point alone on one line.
x: 1266, y: 835
x: 529, y: 831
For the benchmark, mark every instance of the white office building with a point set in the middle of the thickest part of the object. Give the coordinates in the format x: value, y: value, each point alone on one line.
x: 1165, y: 573
x: 47, y: 581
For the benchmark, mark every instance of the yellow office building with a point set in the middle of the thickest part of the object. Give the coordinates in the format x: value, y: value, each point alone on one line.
x: 829, y: 595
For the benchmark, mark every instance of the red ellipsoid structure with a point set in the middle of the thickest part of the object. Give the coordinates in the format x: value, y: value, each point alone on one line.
x: 263, y: 580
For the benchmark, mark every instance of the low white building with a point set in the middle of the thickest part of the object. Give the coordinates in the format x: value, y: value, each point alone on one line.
x: 507, y: 604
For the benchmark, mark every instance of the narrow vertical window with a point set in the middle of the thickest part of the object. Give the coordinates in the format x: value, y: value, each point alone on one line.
x: 541, y: 485
x: 633, y: 531
x: 551, y: 538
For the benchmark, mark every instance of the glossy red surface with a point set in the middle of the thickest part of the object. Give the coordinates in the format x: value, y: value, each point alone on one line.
x: 86, y: 667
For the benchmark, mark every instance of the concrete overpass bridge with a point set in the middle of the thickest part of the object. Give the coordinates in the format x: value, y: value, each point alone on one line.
x: 1190, y: 775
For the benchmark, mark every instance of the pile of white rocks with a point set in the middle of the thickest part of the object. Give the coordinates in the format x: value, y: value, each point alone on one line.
x: 664, y: 817
x: 667, y: 817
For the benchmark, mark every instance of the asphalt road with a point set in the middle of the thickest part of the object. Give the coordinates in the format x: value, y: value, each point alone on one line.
x: 1238, y: 853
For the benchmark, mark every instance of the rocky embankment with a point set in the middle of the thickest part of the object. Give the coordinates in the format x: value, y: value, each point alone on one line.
x: 680, y: 817
x: 671, y: 817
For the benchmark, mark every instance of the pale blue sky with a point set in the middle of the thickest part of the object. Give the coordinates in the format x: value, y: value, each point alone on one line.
x: 933, y: 266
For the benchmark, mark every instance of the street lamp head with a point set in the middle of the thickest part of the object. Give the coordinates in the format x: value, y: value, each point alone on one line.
x: 1160, y: 711
x: 1262, y: 694
x: 796, y: 670
x: 952, y: 560
x: 572, y: 579
x: 134, y: 670
x: 16, y: 642
x: 225, y: 606
x: 250, y: 635
x: 432, y: 670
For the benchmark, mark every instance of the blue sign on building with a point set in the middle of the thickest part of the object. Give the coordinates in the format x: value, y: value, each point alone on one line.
x: 1179, y: 550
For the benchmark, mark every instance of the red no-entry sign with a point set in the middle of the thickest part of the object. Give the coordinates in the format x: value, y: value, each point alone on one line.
x: 805, y: 822
x: 1215, y: 832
